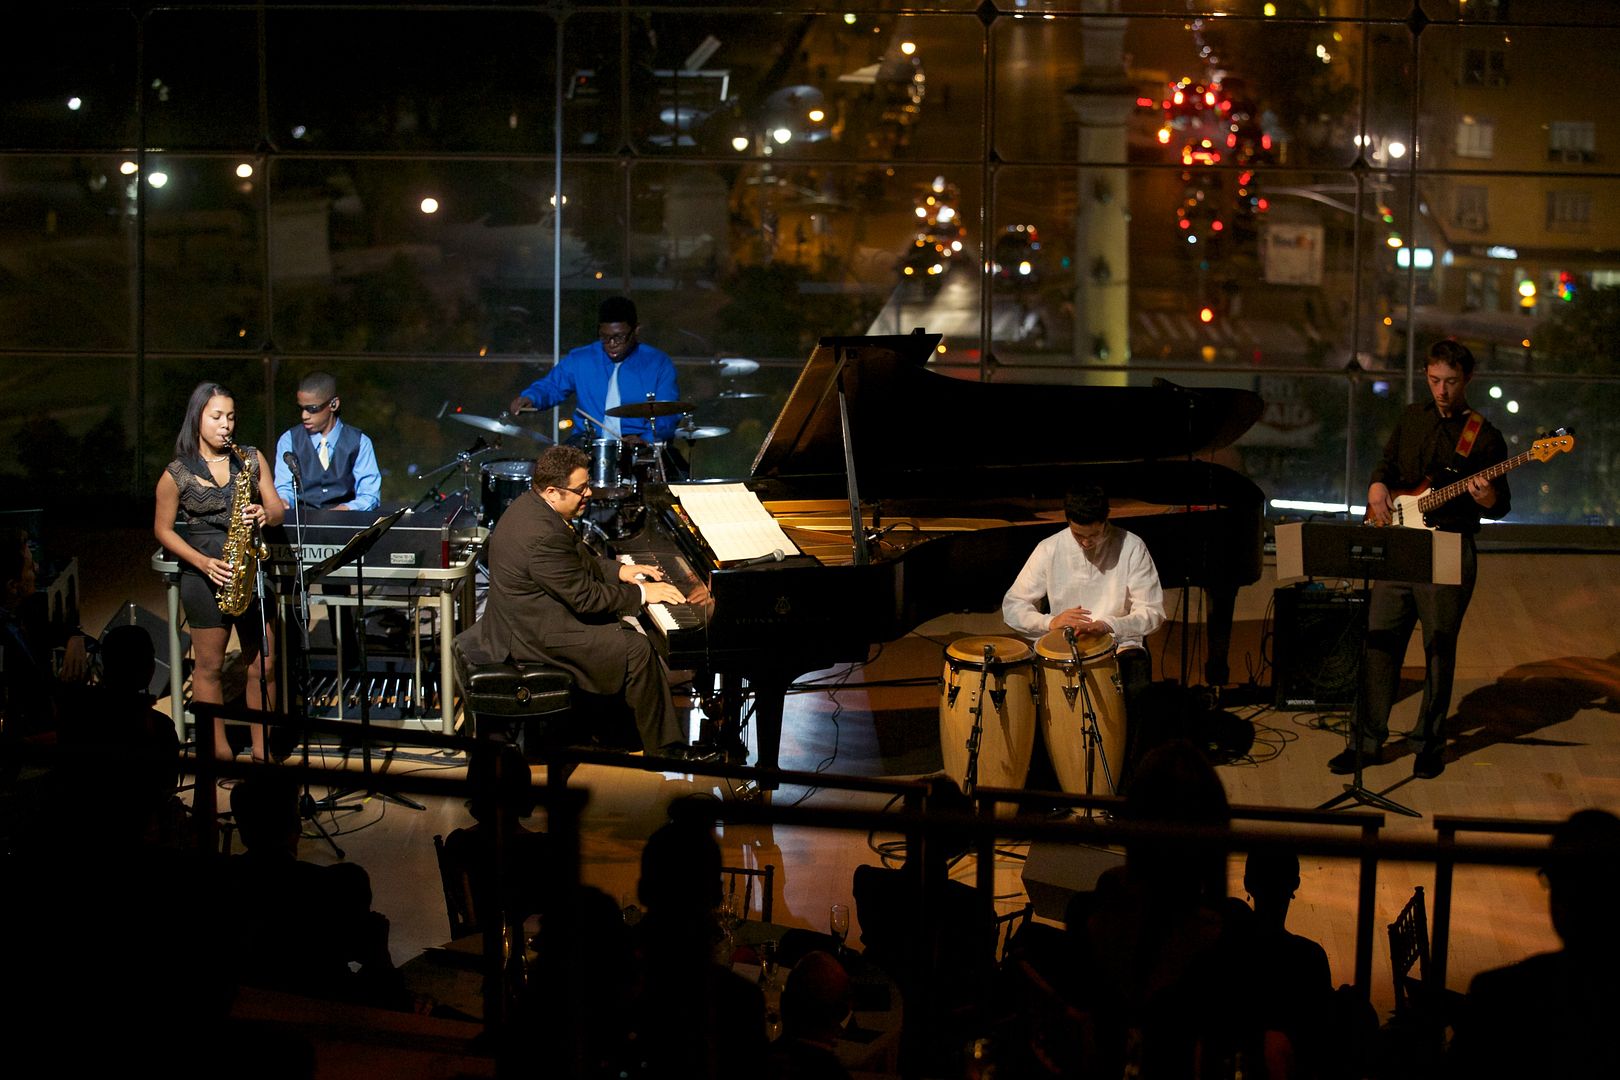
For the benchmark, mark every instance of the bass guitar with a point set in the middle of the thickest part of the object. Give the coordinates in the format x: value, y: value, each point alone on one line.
x: 1410, y: 508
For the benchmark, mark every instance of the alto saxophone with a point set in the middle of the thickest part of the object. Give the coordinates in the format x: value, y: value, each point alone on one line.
x: 244, y: 547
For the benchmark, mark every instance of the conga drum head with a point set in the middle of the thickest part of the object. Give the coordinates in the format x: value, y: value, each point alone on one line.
x: 1000, y: 697
x: 1003, y: 650
x: 1091, y: 647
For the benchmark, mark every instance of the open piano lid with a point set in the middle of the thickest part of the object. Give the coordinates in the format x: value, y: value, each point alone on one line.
x: 908, y: 420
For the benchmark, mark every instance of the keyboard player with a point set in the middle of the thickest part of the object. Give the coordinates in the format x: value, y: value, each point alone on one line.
x: 554, y: 601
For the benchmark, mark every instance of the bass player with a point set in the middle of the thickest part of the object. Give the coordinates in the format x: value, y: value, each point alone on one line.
x: 1431, y: 438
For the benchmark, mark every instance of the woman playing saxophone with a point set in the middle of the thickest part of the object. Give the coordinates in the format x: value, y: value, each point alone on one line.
x: 197, y: 488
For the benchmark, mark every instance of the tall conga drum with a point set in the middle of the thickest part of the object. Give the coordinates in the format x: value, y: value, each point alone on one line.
x: 1000, y: 687
x: 1066, y: 689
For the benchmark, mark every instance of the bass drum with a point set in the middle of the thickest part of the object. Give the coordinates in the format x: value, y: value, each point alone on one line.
x: 1066, y: 688
x: 501, y: 483
x: 1007, y: 679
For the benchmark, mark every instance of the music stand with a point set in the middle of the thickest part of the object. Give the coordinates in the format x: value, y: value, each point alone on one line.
x: 355, y: 552
x: 1371, y: 553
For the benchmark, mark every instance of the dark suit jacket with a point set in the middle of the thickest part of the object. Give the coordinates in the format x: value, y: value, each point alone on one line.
x: 551, y: 600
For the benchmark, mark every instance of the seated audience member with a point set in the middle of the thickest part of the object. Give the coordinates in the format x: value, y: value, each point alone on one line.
x: 959, y: 941
x: 1292, y: 981
x: 1549, y: 1015
x: 693, y: 1017
x: 305, y: 928
x: 1160, y: 980
x: 815, y: 1004
x: 581, y: 993
x: 28, y: 687
x: 523, y: 857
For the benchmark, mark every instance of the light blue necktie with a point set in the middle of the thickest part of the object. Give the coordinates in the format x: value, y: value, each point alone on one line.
x: 612, y: 403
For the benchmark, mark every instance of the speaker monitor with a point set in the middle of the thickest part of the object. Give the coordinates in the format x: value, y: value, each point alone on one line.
x: 1055, y: 872
x: 1317, y: 645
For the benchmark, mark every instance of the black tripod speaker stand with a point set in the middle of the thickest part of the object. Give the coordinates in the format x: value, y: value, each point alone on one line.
x: 354, y: 552
x: 1370, y: 553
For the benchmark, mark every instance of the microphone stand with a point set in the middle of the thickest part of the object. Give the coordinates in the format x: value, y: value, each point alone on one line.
x: 1089, y: 732
x: 308, y: 809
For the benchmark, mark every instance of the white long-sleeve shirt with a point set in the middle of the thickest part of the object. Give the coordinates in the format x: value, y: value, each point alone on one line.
x: 1116, y: 581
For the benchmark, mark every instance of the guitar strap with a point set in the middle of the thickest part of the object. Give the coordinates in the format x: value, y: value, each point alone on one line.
x: 1465, y: 441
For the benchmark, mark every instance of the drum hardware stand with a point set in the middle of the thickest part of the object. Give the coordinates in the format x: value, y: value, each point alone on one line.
x: 970, y: 778
x: 1088, y: 721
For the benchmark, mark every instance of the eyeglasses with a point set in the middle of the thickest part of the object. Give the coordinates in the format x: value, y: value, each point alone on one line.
x: 580, y: 491
x: 617, y: 339
x: 313, y: 409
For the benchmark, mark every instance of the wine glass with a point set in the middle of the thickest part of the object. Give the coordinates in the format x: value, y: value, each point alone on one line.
x: 838, y: 924
x: 728, y: 915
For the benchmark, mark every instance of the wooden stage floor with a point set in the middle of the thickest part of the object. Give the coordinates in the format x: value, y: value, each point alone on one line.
x: 1533, y: 721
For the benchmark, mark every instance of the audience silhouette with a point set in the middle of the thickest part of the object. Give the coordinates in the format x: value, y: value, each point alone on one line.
x: 1549, y: 1014
x: 815, y: 1003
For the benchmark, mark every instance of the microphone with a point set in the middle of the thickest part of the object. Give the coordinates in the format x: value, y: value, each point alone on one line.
x: 874, y: 535
x: 291, y: 461
x: 774, y: 556
x: 1068, y: 635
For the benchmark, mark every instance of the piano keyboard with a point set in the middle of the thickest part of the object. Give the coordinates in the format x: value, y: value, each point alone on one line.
x: 673, y: 627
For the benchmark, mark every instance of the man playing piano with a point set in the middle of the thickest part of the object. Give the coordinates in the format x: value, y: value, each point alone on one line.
x: 1094, y: 578
x: 552, y: 600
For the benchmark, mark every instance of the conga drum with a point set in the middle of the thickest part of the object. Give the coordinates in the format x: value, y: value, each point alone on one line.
x: 1066, y: 690
x: 1001, y: 689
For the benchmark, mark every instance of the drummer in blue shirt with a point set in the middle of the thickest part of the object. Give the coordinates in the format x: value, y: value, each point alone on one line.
x: 614, y: 370
x: 336, y: 461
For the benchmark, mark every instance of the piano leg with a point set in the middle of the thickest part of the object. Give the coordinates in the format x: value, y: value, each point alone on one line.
x: 1218, y: 628
x: 770, y: 689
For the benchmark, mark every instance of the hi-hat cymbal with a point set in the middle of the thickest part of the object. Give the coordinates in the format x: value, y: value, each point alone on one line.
x: 733, y: 366
x: 490, y: 424
x: 739, y: 395
x: 648, y: 410
x: 695, y: 433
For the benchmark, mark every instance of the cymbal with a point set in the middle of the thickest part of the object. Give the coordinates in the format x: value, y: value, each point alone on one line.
x: 695, y: 433
x: 490, y: 424
x: 731, y: 367
x: 739, y: 395
x: 647, y: 410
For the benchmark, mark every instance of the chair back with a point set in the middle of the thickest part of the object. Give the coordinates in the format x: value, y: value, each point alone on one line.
x: 766, y: 878
x: 1007, y: 926
x: 456, y: 880
x: 1409, y: 948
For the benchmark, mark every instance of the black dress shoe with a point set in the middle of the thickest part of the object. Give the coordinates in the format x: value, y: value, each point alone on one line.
x: 1344, y: 762
x: 1429, y: 764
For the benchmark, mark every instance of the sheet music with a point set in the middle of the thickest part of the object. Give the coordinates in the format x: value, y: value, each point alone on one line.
x: 733, y: 521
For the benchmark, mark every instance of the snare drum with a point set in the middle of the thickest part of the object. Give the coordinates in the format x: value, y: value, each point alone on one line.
x: 1066, y: 688
x: 1008, y: 736
x: 503, y: 482
x: 607, y: 460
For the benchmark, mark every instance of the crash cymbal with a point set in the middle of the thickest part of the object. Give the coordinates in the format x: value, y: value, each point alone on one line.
x: 648, y: 410
x: 733, y: 366
x: 695, y: 433
x: 490, y: 424
x: 739, y: 395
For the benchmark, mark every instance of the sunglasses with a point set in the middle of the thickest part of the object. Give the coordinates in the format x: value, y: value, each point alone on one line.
x: 310, y: 410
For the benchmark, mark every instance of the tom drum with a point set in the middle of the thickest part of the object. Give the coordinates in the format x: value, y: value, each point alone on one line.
x: 607, y: 467
x: 502, y: 482
x: 1003, y: 686
x: 1067, y: 688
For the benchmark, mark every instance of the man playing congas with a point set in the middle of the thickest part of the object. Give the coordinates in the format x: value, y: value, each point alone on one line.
x: 1095, y: 579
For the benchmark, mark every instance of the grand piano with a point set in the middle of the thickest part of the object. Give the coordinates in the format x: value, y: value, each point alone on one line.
x: 911, y: 494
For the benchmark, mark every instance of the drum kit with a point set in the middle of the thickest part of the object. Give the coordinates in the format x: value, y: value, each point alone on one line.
x: 998, y: 691
x: 619, y: 469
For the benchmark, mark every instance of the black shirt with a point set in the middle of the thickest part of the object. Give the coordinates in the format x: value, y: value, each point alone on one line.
x: 1423, y: 446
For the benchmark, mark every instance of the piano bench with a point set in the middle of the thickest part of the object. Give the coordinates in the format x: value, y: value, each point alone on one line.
x: 526, y: 702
